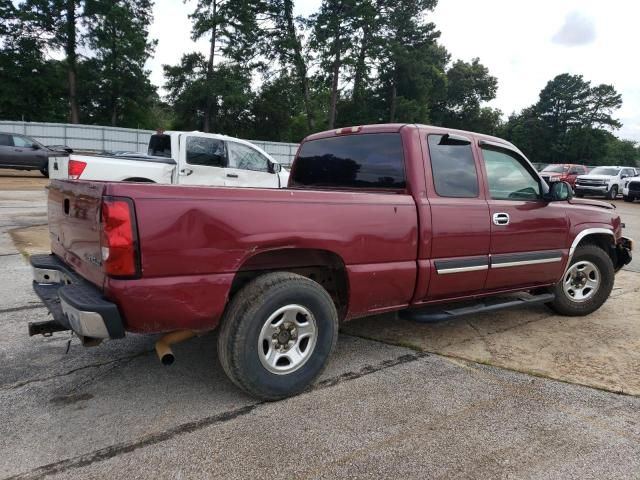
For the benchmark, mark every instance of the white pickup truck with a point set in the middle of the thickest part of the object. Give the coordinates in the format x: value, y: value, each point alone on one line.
x: 605, y: 181
x: 186, y: 158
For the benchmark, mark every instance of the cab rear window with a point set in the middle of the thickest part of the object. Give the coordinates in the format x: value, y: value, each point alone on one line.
x: 366, y: 161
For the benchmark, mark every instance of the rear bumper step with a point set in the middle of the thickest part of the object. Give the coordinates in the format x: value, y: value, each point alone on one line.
x: 442, y: 313
x: 74, y: 303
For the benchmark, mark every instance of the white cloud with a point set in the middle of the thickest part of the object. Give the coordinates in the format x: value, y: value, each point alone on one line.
x: 577, y: 30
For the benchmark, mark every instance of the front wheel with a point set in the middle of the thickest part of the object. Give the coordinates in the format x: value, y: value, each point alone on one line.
x: 45, y: 171
x: 613, y: 193
x: 586, y: 284
x: 277, y: 335
x: 628, y: 198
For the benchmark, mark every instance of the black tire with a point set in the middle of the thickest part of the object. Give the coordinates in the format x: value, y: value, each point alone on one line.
x: 564, y: 305
x: 247, y: 314
x: 45, y: 172
x: 613, y: 193
x: 627, y: 198
x: 579, y: 194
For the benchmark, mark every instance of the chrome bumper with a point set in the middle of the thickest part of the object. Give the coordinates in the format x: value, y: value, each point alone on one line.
x: 74, y: 303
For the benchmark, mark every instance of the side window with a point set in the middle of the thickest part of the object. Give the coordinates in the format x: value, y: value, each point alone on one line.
x: 453, y: 167
x: 205, y: 151
x: 575, y: 171
x: 508, y: 177
x: 629, y: 172
x: 246, y: 158
x: 22, y: 142
x: 6, y: 140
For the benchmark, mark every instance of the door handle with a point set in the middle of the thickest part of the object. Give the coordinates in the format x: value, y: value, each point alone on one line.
x: 232, y: 175
x: 501, y: 219
x: 186, y: 172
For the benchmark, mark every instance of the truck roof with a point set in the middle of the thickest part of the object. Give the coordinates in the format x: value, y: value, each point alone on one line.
x: 396, y: 127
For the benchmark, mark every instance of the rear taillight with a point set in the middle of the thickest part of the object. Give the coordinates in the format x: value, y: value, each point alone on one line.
x: 76, y: 167
x: 119, y: 242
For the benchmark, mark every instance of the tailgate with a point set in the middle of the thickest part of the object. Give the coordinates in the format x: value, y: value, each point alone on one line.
x: 74, y: 226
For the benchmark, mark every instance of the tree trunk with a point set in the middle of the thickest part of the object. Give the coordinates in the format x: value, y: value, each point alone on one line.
x: 70, y: 50
x: 212, y: 53
x: 335, y: 74
x: 361, y: 66
x: 394, y: 96
x: 299, y: 63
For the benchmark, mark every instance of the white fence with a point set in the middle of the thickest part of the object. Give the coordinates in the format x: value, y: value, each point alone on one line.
x: 112, y: 139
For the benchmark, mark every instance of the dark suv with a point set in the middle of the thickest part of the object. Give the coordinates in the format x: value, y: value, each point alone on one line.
x: 20, y: 152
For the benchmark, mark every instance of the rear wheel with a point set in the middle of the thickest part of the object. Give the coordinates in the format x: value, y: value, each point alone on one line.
x: 613, y: 193
x: 586, y: 284
x: 277, y: 335
x: 579, y: 194
x: 45, y: 171
x: 628, y: 198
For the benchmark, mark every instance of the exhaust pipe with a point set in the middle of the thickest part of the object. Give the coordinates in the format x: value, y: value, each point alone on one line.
x: 163, y: 346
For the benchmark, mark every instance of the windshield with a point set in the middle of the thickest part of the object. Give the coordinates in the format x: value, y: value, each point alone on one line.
x: 612, y: 172
x: 555, y: 168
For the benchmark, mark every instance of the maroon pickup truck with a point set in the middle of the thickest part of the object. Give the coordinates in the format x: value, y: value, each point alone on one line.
x: 429, y: 222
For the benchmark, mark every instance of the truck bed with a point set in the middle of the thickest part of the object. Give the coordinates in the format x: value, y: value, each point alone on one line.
x: 193, y: 241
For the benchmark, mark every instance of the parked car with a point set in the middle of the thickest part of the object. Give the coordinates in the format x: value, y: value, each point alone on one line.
x: 604, y: 181
x: 631, y: 187
x: 20, y: 152
x: 562, y: 172
x: 185, y: 158
x: 381, y: 218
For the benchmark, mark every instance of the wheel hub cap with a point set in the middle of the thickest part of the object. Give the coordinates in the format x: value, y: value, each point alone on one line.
x: 287, y: 339
x: 581, y: 281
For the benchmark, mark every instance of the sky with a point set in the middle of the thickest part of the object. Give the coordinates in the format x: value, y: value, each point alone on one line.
x: 523, y: 43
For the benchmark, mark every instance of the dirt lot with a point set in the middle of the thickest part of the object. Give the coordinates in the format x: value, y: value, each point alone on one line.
x: 21, y: 180
x: 399, y: 399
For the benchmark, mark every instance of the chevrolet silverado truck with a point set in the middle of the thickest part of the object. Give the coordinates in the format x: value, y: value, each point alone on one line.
x: 183, y: 158
x: 605, y: 181
x: 428, y: 222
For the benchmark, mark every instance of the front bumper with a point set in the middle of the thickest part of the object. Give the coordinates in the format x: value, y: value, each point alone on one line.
x: 624, y: 247
x: 74, y: 303
x: 591, y: 189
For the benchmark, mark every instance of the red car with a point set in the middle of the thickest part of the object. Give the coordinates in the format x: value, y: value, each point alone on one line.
x: 381, y: 218
x: 563, y: 172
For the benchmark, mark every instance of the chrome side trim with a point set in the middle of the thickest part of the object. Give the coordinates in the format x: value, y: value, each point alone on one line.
x: 526, y: 262
x: 445, y: 271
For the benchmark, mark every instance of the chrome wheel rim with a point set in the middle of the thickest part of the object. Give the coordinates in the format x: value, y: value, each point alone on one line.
x: 581, y: 281
x: 287, y: 339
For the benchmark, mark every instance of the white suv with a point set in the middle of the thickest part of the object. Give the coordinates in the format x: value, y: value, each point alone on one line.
x: 631, y: 187
x: 605, y: 181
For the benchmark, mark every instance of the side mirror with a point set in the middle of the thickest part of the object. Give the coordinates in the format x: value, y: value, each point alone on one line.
x: 276, y: 167
x: 35, y: 146
x: 559, y: 192
x: 623, y: 176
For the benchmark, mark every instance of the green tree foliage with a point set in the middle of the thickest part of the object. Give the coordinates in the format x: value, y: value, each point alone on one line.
x: 56, y: 23
x: 468, y: 86
x: 189, y: 91
x: 571, y: 123
x: 118, y: 38
x: 233, y: 32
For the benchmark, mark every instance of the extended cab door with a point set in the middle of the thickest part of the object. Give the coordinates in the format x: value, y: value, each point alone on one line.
x: 528, y: 234
x: 202, y: 161
x: 248, y: 167
x: 460, y: 228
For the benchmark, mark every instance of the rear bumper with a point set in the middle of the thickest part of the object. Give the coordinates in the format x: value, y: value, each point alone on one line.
x: 74, y: 303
